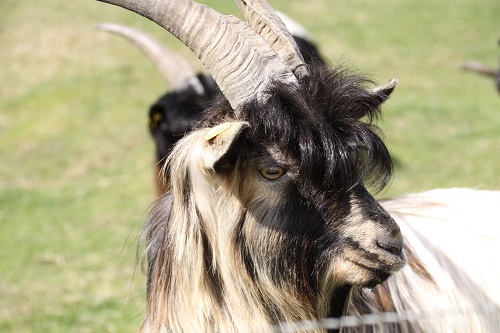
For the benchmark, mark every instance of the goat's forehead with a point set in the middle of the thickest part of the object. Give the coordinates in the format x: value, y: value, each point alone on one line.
x: 269, y: 153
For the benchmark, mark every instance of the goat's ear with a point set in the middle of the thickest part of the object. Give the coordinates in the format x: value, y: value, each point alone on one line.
x: 220, y: 143
x: 383, y: 92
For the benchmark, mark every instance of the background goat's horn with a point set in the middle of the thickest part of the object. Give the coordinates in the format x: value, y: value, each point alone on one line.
x: 478, y: 67
x: 241, y: 62
x: 174, y: 70
x: 263, y: 19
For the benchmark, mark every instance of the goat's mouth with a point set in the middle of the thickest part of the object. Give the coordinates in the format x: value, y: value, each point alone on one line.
x: 375, y: 274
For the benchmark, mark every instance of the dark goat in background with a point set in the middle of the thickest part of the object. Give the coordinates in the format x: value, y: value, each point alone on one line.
x: 483, y: 69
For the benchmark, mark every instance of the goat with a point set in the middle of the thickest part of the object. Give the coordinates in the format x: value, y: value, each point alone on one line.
x: 482, y: 69
x: 267, y: 219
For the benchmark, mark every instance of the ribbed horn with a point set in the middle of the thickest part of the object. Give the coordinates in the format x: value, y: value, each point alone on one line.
x: 240, y: 61
x: 263, y: 19
x: 174, y: 70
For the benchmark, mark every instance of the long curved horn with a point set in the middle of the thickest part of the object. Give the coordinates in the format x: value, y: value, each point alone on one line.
x: 263, y: 19
x: 174, y: 70
x: 241, y: 62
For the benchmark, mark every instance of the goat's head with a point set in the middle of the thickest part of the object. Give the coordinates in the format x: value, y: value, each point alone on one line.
x: 268, y: 218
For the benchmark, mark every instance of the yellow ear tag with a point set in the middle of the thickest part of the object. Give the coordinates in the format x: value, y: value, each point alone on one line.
x: 216, y: 131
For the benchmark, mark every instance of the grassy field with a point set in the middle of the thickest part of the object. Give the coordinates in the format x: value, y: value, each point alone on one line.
x: 76, y: 175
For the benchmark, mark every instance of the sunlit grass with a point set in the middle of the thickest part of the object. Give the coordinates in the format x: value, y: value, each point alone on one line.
x: 76, y: 176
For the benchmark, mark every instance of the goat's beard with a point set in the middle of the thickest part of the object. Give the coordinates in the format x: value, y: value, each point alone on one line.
x: 340, y: 280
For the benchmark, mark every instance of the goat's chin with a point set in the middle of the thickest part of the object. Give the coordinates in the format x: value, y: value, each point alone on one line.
x: 356, y: 271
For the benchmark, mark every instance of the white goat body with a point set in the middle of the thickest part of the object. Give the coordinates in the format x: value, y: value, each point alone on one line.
x: 455, y: 235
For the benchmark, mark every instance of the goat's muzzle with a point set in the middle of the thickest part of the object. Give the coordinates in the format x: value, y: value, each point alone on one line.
x: 372, y: 244
x: 391, y: 242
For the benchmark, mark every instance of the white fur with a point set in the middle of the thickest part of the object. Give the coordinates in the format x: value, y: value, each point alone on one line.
x: 455, y: 233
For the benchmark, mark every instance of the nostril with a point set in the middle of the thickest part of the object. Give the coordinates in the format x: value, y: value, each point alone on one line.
x: 390, y: 248
x: 392, y: 245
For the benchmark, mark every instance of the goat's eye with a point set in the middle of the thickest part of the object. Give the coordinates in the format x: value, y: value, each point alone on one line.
x: 272, y: 173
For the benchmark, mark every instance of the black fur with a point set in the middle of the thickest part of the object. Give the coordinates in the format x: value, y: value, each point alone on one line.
x: 309, y: 51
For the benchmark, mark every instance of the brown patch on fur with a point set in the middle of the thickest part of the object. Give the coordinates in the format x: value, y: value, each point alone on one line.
x: 417, y: 265
x: 382, y: 297
x: 161, y: 186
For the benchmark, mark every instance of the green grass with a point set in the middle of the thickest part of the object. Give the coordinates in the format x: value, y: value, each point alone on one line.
x: 76, y: 175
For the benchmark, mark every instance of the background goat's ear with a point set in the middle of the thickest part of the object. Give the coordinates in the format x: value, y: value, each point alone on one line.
x: 221, y: 143
x: 382, y: 93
